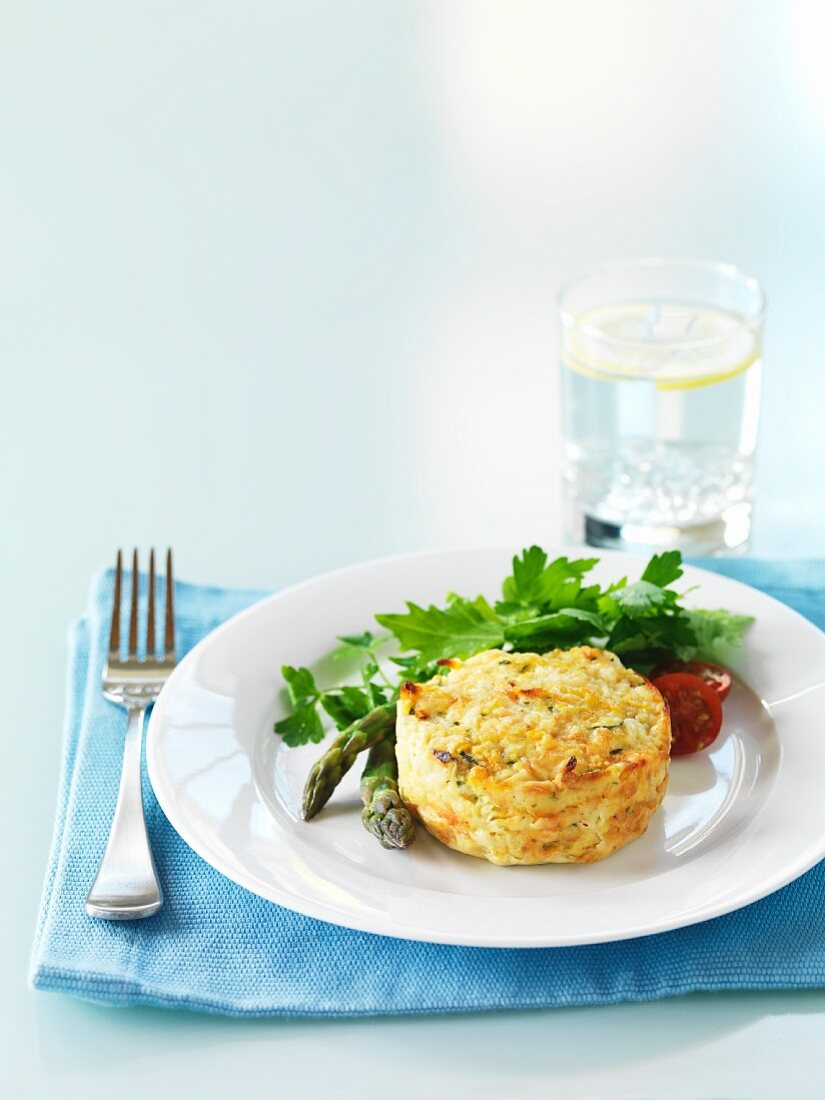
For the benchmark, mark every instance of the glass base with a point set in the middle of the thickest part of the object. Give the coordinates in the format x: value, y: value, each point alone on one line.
x: 728, y: 534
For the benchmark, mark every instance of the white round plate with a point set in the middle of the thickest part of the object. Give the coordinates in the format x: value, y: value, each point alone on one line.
x: 738, y: 821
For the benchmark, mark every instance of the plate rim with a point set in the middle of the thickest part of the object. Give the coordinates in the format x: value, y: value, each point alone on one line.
x: 807, y: 859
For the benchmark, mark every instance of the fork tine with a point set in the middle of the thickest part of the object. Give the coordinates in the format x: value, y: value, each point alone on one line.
x: 150, y: 622
x: 134, y: 612
x: 114, y: 633
x: 169, y: 640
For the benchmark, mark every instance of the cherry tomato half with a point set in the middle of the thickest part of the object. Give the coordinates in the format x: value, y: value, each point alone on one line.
x: 716, y: 675
x: 695, y: 711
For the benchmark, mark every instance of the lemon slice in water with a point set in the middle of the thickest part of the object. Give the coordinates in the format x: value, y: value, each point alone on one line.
x: 675, y: 345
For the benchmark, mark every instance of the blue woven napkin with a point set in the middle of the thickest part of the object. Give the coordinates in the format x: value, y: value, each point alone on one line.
x: 217, y: 948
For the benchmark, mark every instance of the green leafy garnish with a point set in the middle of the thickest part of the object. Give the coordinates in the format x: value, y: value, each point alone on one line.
x: 347, y: 705
x: 715, y: 631
x: 663, y: 569
x: 355, y: 644
x: 534, y: 584
x: 459, y: 630
x: 304, y: 723
x: 544, y: 605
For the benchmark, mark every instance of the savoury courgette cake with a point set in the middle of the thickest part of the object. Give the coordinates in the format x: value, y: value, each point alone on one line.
x: 525, y: 758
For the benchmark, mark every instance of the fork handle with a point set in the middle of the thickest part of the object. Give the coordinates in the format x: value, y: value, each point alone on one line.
x: 127, y: 887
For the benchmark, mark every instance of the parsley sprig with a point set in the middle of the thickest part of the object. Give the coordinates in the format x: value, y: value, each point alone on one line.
x: 544, y: 605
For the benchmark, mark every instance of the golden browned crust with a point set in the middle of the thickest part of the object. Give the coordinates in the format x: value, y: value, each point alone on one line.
x: 526, y: 758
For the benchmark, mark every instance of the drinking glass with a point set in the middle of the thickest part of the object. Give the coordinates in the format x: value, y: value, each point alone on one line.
x: 661, y: 364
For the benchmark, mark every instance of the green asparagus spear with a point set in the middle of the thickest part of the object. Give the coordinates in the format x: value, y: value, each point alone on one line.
x: 384, y: 814
x: 328, y: 771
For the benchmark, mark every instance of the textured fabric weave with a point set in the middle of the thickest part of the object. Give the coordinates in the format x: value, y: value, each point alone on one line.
x: 217, y: 948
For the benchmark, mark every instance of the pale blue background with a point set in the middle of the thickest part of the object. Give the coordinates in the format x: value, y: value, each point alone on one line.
x: 276, y: 286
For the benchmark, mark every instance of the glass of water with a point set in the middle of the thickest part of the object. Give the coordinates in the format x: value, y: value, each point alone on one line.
x: 661, y: 364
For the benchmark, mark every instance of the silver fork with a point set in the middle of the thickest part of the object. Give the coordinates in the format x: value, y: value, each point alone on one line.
x: 127, y: 887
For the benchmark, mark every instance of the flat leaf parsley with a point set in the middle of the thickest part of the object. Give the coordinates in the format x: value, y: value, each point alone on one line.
x: 544, y: 605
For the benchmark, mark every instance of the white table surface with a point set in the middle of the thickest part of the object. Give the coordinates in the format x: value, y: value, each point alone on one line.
x: 276, y: 287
